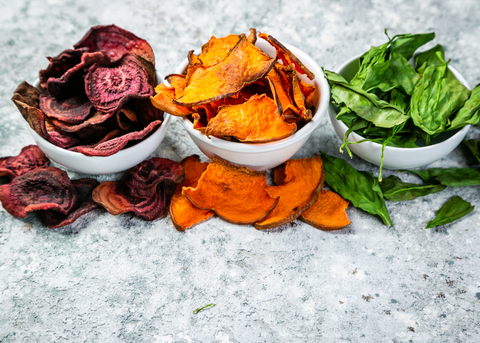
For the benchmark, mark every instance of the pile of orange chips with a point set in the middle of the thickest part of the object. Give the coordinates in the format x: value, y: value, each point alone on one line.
x: 233, y: 90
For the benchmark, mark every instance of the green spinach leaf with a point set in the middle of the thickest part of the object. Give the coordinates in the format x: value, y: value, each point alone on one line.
x: 474, y: 147
x: 469, y: 114
x: 395, y: 189
x: 407, y: 44
x: 453, y: 209
x: 361, y: 188
x: 430, y: 58
x: 453, y: 177
x: 365, y: 105
x: 375, y: 55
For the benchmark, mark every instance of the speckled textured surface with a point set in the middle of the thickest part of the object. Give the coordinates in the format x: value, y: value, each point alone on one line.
x: 120, y: 279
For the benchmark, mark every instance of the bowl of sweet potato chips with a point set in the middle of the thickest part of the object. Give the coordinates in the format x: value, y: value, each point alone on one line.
x: 247, y: 98
x: 90, y: 108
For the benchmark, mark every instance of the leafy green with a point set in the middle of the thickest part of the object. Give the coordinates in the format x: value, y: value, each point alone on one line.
x: 367, y: 60
x: 407, y: 44
x: 365, y: 105
x: 430, y: 57
x: 453, y: 177
x: 469, y: 114
x: 395, y: 189
x: 452, y: 210
x: 436, y: 96
x: 474, y: 147
x: 394, y: 73
x: 361, y: 188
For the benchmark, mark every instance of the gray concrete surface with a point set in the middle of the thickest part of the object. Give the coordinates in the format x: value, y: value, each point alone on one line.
x: 120, y: 279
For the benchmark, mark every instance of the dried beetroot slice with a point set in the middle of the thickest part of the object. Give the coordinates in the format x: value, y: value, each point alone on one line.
x: 84, y: 204
x: 90, y: 124
x: 30, y: 158
x: 141, y: 190
x: 114, y: 145
x: 108, y: 136
x: 60, y: 64
x: 125, y: 119
x: 25, y: 97
x: 109, y: 88
x: 145, y: 111
x: 73, y: 110
x: 117, y: 42
x: 40, y: 189
x: 58, y: 137
x: 71, y: 82
x: 143, y: 179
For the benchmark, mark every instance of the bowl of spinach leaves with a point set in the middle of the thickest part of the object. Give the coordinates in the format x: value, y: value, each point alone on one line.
x: 398, y: 109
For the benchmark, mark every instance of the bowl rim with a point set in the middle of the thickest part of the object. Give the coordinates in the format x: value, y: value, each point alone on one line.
x: 356, y: 137
x: 252, y: 148
x: 120, y: 154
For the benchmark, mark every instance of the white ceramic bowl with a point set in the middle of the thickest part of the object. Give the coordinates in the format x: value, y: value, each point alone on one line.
x: 397, y: 158
x: 263, y: 156
x: 95, y: 165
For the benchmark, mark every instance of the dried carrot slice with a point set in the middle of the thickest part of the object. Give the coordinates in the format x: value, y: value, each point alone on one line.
x: 236, y: 194
x: 287, y: 57
x: 255, y: 121
x: 244, y: 64
x: 164, y: 101
x: 182, y: 212
x: 298, y: 184
x: 328, y: 212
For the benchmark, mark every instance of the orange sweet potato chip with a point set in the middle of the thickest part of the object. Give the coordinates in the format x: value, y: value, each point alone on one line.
x: 255, y: 121
x: 182, y: 212
x: 217, y: 49
x: 177, y: 81
x: 328, y: 212
x: 298, y: 184
x: 244, y: 64
x: 282, y: 90
x: 236, y: 194
x: 163, y: 100
x: 307, y: 90
x: 287, y: 57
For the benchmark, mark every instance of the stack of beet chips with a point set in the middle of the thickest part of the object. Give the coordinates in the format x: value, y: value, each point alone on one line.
x: 95, y: 97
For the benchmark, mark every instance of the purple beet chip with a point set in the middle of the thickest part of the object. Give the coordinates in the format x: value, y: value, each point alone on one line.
x: 73, y: 110
x: 30, y: 158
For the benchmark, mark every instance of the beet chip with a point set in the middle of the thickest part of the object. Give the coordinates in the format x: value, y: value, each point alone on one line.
x: 40, y: 189
x: 110, y: 88
x: 116, y: 144
x: 73, y: 110
x: 30, y: 158
x: 117, y: 42
x: 83, y: 205
x: 141, y: 190
x: 60, y: 64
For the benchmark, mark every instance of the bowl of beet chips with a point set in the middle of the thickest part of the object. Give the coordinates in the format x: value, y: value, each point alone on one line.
x: 250, y: 100
x: 90, y: 109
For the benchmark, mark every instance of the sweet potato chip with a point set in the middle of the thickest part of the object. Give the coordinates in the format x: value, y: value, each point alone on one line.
x: 297, y: 188
x: 308, y: 90
x: 30, y: 158
x: 217, y: 49
x: 287, y: 57
x: 182, y: 212
x: 83, y: 205
x: 328, y: 212
x: 236, y: 194
x: 163, y: 100
x: 255, y: 121
x: 244, y: 64
x: 141, y: 190
x: 39, y: 189
x: 281, y: 90
x: 178, y: 82
x: 114, y: 145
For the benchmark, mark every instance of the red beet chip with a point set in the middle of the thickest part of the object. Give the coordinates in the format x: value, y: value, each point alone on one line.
x: 25, y: 97
x: 71, y: 82
x: 30, y: 158
x: 83, y: 205
x: 73, y: 110
x: 58, y: 137
x: 117, y: 42
x: 114, y: 145
x: 145, y: 111
x: 110, y: 88
x: 60, y: 64
x: 40, y: 189
x: 146, y: 179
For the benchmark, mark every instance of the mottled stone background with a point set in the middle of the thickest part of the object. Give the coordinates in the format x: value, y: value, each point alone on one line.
x: 120, y: 279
